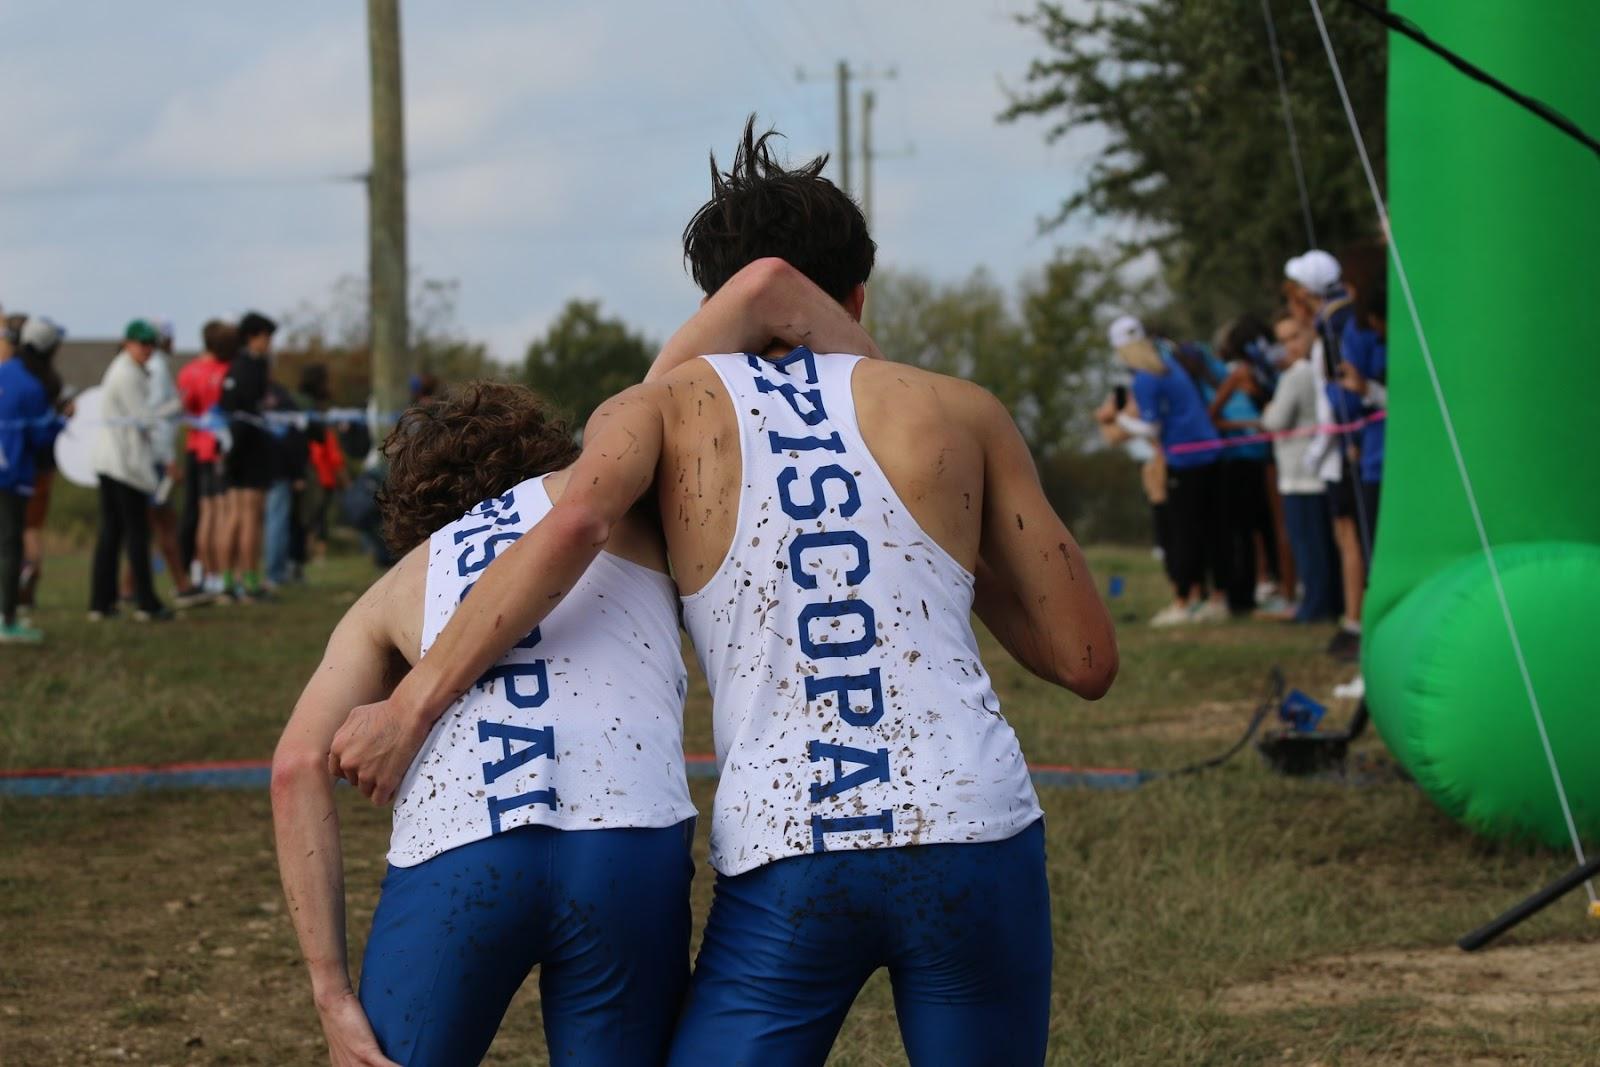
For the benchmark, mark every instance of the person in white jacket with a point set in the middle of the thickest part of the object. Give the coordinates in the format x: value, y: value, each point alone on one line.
x: 125, y: 461
x: 1294, y: 409
x: 165, y: 407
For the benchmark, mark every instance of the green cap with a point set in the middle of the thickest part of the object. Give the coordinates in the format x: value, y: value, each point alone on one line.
x: 141, y: 330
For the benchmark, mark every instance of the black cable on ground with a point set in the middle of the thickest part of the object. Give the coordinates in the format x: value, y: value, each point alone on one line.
x: 1275, y: 684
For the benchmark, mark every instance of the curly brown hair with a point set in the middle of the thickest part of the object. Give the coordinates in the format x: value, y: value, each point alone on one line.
x: 455, y: 451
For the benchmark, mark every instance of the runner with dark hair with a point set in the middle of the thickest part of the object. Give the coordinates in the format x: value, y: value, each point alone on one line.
x: 832, y: 523
x: 547, y: 818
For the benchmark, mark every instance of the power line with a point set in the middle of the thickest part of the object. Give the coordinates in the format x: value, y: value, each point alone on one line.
x: 179, y: 185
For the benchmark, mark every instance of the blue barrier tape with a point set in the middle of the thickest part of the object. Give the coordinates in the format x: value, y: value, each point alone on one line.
x: 120, y: 782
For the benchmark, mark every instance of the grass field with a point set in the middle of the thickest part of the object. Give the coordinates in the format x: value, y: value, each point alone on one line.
x: 1229, y: 918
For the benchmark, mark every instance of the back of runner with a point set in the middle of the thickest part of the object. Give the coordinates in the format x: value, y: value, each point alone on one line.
x: 826, y: 517
x: 546, y: 819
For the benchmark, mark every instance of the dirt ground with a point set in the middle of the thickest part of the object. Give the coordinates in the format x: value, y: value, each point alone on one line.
x: 1456, y: 985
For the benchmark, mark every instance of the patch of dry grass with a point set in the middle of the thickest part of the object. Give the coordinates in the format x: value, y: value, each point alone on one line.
x: 149, y: 929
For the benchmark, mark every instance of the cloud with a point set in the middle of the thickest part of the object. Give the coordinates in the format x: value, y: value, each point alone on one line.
x: 556, y: 148
x: 300, y: 107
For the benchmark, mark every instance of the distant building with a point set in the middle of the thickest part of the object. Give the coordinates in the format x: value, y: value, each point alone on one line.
x: 82, y: 363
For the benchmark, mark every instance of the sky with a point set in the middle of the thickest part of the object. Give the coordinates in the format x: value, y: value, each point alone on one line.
x: 188, y: 159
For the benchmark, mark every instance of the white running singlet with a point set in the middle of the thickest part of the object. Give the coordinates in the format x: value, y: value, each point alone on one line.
x: 579, y: 727
x: 850, y: 708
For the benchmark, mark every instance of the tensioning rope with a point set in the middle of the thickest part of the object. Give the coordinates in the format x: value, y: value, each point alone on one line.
x: 1549, y: 114
x: 1455, y: 442
x: 1288, y: 124
x: 1347, y: 468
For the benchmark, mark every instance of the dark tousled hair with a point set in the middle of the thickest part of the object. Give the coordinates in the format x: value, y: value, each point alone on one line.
x: 456, y: 451
x: 254, y: 324
x: 759, y: 208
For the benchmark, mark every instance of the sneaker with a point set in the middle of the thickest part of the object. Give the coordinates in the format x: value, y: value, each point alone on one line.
x: 1274, y: 607
x: 1354, y: 689
x: 20, y: 633
x: 96, y: 615
x: 1345, y: 646
x: 1171, y: 615
x: 192, y: 598
x: 1210, y: 611
x: 157, y: 614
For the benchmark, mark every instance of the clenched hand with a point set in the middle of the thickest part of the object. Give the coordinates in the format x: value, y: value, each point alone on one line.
x: 351, y: 1042
x: 373, y: 749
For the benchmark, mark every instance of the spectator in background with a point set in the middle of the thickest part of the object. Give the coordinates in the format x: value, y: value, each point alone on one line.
x: 1247, y: 360
x: 124, y: 459
x: 250, y: 459
x: 328, y: 476
x: 1293, y: 411
x: 1152, y: 472
x: 200, y: 390
x: 425, y: 387
x: 37, y: 342
x: 28, y: 428
x: 1243, y: 514
x: 289, y: 460
x: 1317, y: 277
x: 165, y: 407
x: 1363, y: 375
x: 1166, y: 408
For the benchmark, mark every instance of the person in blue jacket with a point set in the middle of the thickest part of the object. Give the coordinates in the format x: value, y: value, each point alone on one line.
x: 1245, y: 510
x: 1363, y: 374
x: 1166, y: 406
x: 28, y: 427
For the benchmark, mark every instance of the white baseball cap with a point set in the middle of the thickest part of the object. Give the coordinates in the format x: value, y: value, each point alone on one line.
x: 41, y: 334
x: 1126, y: 329
x: 1132, y: 344
x: 1316, y: 270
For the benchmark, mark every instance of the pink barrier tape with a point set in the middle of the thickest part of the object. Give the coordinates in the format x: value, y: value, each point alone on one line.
x: 1265, y: 437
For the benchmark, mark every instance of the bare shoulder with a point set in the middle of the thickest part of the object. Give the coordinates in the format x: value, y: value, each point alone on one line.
x: 390, y: 611
x: 904, y: 389
x: 687, y: 389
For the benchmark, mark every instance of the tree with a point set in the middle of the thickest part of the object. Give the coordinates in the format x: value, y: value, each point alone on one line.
x: 335, y: 333
x: 1046, y: 361
x: 585, y: 358
x: 1197, y: 158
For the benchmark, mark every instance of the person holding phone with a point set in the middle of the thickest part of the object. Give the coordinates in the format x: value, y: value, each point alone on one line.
x: 1318, y: 278
x: 1169, y: 411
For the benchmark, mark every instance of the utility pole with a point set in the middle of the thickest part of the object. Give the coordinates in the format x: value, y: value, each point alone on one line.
x: 869, y: 100
x: 844, y: 126
x: 386, y: 214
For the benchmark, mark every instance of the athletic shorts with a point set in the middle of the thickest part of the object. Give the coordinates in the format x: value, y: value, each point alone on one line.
x: 603, y: 913
x: 210, y: 480
x: 1342, y: 497
x: 249, y: 462
x: 963, y: 929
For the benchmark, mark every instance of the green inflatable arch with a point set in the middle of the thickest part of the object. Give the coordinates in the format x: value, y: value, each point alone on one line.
x: 1497, y: 216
